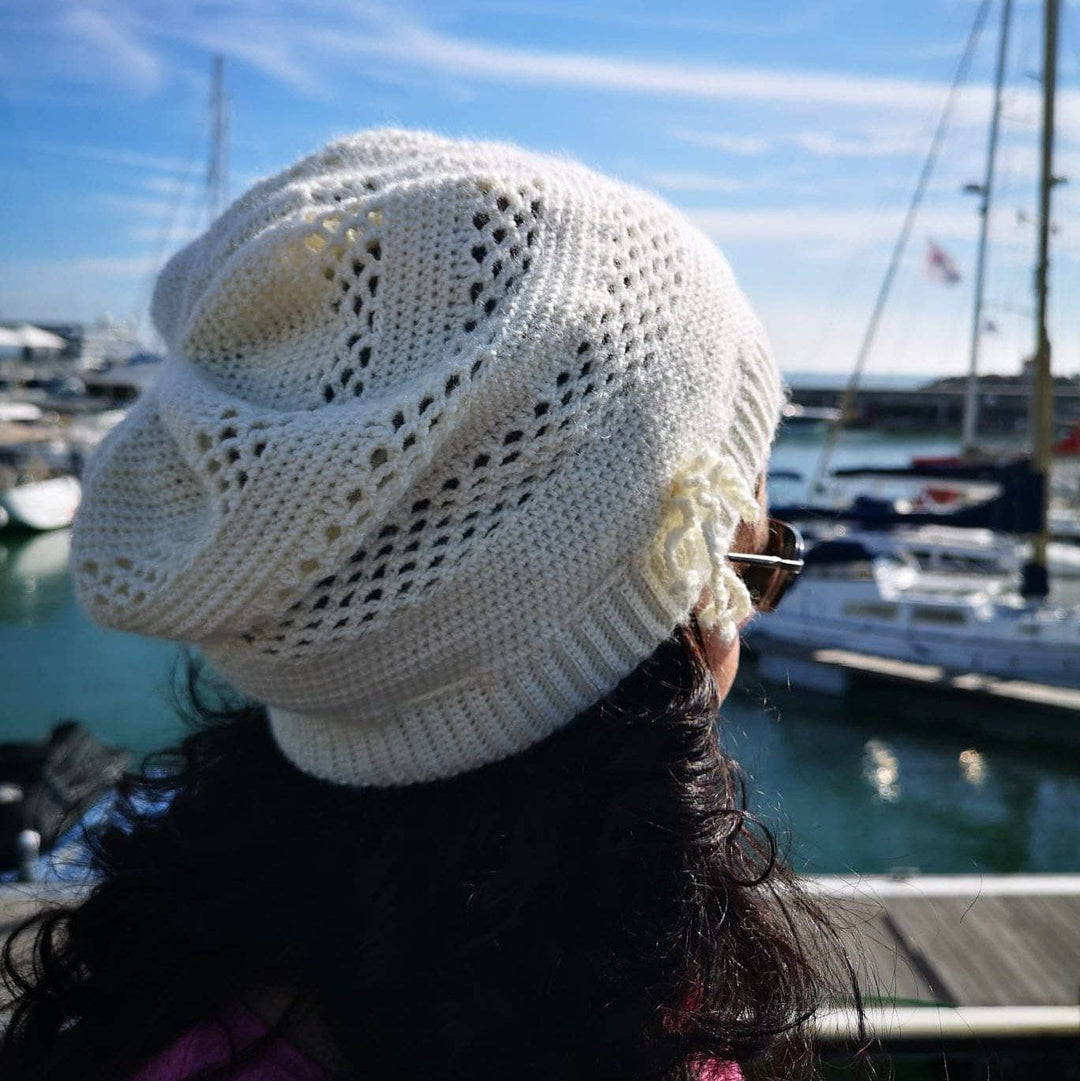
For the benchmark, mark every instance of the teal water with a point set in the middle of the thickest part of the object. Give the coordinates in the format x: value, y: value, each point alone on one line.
x: 868, y: 784
x: 861, y: 786
x: 55, y: 663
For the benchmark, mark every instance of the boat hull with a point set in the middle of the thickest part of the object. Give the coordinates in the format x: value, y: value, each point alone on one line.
x: 958, y: 634
x: 42, y: 505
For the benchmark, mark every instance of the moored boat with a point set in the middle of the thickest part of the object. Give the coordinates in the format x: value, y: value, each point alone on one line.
x: 42, y: 504
x: 850, y: 598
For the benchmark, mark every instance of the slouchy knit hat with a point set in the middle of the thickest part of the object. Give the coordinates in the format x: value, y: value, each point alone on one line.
x: 449, y: 437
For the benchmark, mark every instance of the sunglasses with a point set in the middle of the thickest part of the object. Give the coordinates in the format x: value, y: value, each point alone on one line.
x: 768, y: 575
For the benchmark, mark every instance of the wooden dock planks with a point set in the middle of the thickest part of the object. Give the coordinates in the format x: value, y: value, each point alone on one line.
x: 1002, y: 949
x: 986, y: 954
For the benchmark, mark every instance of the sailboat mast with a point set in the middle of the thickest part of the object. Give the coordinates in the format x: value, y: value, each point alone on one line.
x: 217, y: 164
x: 971, y: 395
x: 847, y: 403
x: 1036, y: 582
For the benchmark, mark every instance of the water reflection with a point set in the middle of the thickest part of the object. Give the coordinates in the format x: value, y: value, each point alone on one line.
x: 860, y: 785
x: 881, y: 768
x: 870, y: 783
x: 56, y: 664
x: 972, y: 767
x: 33, y: 576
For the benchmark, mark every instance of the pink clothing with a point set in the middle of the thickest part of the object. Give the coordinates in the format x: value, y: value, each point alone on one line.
x: 209, y: 1044
x: 213, y: 1044
x: 720, y: 1071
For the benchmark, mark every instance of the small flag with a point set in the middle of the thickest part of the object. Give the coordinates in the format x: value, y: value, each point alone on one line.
x: 939, y: 265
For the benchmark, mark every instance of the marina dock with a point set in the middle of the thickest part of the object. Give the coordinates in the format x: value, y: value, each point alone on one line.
x: 961, y: 957
x: 942, y: 959
x: 963, y: 976
x: 998, y: 702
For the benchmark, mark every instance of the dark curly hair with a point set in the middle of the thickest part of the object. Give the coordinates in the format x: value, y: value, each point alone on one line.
x: 601, y: 906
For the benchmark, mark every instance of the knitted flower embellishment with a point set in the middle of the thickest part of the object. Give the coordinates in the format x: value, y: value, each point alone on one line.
x: 706, y: 502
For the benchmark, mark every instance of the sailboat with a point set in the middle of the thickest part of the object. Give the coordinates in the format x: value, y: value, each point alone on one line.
x: 41, y: 505
x: 851, y: 599
x: 950, y: 558
x: 870, y: 600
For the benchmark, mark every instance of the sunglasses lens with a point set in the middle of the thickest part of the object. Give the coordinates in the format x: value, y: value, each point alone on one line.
x: 762, y: 585
x: 767, y: 585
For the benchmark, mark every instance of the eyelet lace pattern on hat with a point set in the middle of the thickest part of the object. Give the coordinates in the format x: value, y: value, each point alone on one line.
x: 424, y: 403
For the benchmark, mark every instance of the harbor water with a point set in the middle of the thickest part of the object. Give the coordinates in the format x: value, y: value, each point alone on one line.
x: 869, y: 784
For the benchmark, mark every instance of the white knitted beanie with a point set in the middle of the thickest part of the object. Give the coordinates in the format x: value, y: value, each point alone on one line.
x: 449, y: 438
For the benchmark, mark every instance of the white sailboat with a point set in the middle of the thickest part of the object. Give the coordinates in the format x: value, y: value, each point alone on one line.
x: 950, y: 558
x: 850, y: 599
x: 874, y: 597
x: 41, y: 504
x: 49, y: 504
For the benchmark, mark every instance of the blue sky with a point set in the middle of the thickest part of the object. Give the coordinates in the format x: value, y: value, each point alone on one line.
x: 791, y: 132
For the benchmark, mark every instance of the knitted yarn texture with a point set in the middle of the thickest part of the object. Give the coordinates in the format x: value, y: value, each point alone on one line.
x: 449, y: 437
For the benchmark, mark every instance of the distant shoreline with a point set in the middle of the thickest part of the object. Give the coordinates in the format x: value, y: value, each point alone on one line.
x: 870, y: 381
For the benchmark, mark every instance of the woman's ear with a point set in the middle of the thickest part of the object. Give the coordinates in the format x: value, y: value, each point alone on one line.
x: 721, y: 651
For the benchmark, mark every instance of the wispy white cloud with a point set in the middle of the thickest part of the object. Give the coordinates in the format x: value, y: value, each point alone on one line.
x: 504, y: 64
x: 827, y: 234
x: 123, y: 158
x: 872, y: 140
x: 824, y: 335
x: 324, y: 48
x: 168, y: 185
x: 168, y: 212
x: 838, y: 231
x: 279, y: 55
x: 740, y: 145
x: 153, y: 232
x: 411, y: 44
x: 875, y: 143
x: 73, y: 288
x: 929, y: 51
x: 798, y: 224
x: 104, y: 49
x: 141, y: 205
x: 293, y: 46
x: 771, y: 25
x: 123, y: 266
x: 674, y: 181
x: 301, y: 46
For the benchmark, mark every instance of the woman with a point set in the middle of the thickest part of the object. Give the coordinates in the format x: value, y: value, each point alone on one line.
x: 444, y: 471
